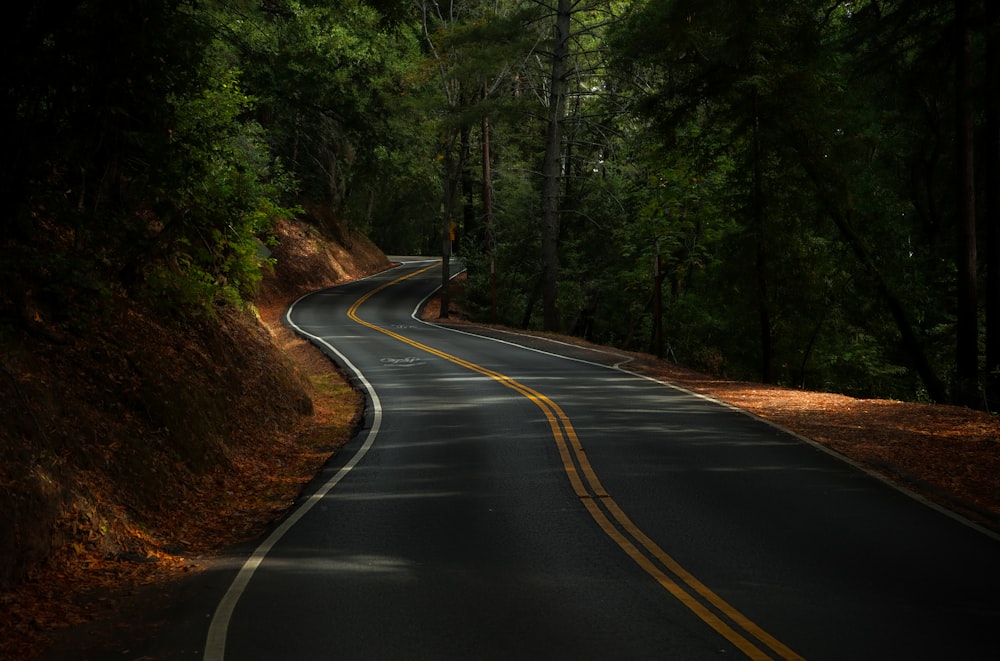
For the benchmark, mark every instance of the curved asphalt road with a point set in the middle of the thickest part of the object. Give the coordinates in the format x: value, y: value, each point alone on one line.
x: 580, y: 512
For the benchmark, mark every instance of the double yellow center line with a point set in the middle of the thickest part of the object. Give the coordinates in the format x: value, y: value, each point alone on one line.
x: 692, y: 593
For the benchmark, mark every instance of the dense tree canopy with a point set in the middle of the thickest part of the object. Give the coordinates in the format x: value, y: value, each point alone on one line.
x: 801, y: 192
x: 151, y: 147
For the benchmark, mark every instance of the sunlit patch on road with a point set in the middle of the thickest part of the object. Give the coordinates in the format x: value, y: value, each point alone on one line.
x: 408, y: 361
x: 359, y: 564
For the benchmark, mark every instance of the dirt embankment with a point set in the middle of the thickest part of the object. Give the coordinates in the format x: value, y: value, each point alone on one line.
x: 133, y: 442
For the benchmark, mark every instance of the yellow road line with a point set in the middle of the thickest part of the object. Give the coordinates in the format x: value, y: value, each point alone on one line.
x: 606, y: 512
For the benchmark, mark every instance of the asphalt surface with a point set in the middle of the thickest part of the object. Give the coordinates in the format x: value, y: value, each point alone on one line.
x: 508, y: 503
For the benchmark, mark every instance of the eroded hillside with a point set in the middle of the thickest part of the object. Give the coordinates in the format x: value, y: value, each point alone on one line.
x: 134, y: 441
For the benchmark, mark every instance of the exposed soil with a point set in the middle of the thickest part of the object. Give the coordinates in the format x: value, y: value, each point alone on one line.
x: 950, y: 455
x: 136, y: 447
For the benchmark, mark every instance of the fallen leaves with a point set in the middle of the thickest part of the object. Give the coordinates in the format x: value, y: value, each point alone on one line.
x: 115, y: 542
x: 948, y: 454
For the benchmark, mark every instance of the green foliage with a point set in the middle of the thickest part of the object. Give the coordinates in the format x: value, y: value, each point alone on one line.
x: 825, y: 130
x: 788, y: 165
x: 153, y: 146
x: 325, y: 78
x: 221, y: 194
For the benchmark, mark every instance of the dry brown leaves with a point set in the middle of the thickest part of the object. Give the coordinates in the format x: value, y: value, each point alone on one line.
x: 82, y: 582
x: 948, y: 454
x: 234, y: 502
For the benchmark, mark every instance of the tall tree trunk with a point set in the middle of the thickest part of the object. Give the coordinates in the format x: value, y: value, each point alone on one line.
x: 449, y: 185
x: 967, y: 334
x: 552, y: 167
x: 992, y: 179
x: 656, y: 345
x: 469, y: 216
x: 760, y: 266
x: 489, y: 236
x: 487, y: 183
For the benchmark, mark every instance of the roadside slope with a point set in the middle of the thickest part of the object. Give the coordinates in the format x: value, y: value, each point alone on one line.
x: 133, y: 444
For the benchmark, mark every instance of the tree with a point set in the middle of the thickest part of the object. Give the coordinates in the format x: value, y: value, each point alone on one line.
x: 842, y: 112
x: 937, y: 54
x: 735, y: 66
x: 171, y: 124
x: 130, y: 163
x: 991, y: 148
x: 448, y: 35
x: 967, y: 331
x: 552, y: 163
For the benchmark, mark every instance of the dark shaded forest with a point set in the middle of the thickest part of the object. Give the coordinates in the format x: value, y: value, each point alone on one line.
x: 153, y: 161
x: 802, y: 192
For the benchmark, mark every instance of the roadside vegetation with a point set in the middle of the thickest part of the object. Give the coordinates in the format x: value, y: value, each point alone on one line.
x: 136, y: 449
x: 800, y: 193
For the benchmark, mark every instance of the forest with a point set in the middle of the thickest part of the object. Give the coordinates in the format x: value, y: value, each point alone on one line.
x: 803, y: 192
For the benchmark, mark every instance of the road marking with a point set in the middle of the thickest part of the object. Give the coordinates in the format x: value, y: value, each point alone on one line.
x: 408, y: 361
x: 218, y: 628
x: 692, y: 593
x: 601, y: 506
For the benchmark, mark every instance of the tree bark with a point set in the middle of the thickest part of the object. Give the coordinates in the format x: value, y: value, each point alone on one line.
x: 656, y: 345
x: 552, y: 167
x: 991, y: 143
x: 760, y: 266
x: 489, y: 237
x: 967, y: 332
x: 487, y: 183
x: 448, y: 187
x: 469, y: 216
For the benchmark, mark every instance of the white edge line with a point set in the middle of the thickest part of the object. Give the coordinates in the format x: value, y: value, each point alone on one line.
x: 805, y: 439
x: 215, y: 642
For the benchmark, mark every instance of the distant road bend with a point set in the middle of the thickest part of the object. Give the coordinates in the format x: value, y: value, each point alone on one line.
x: 508, y: 503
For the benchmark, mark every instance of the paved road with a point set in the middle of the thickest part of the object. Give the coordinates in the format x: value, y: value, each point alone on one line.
x: 505, y: 503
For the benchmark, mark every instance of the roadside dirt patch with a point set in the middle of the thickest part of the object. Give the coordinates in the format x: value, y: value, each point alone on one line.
x: 134, y: 450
